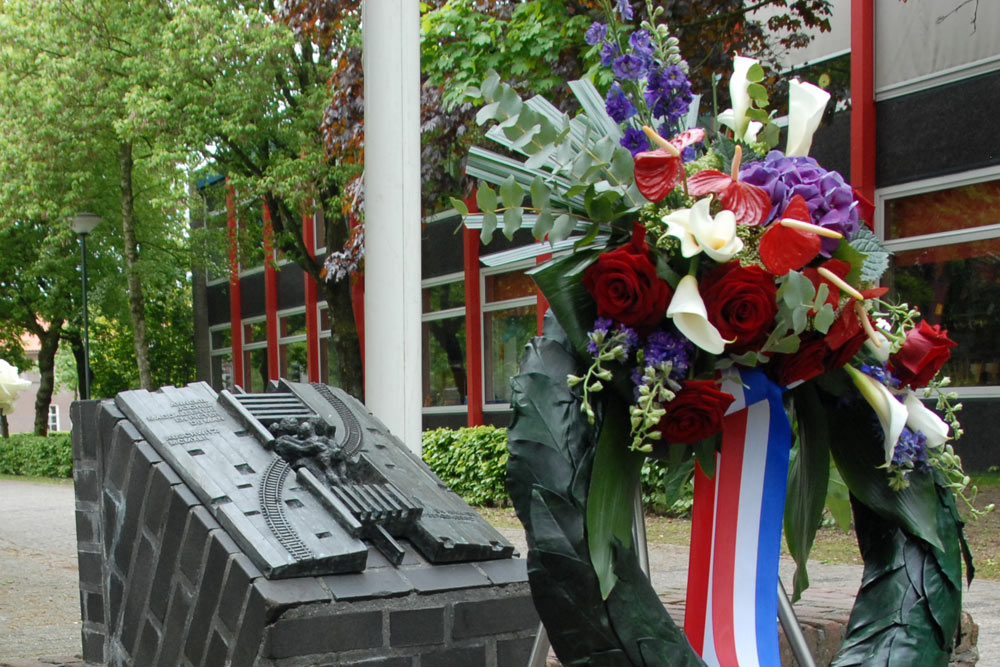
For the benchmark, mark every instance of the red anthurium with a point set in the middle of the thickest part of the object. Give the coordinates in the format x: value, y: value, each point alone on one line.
x: 749, y: 203
x: 657, y: 172
x: 783, y: 248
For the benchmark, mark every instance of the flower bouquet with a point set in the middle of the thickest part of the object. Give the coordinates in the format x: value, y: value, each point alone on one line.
x: 713, y: 300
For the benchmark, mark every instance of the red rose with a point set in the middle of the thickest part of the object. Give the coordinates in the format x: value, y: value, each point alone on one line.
x: 625, y: 285
x: 803, y: 365
x: 741, y: 303
x: 695, y: 413
x: 924, y: 352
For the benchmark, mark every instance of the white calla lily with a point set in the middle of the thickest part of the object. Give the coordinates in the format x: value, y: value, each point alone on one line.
x: 687, y: 310
x: 10, y: 386
x: 892, y: 414
x: 698, y: 231
x: 923, y: 419
x: 736, y: 117
x: 806, y: 104
x: 882, y: 350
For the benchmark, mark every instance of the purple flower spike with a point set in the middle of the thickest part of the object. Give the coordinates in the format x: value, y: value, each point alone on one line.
x: 635, y: 141
x: 596, y: 33
x: 617, y: 105
x: 629, y: 66
x: 625, y: 7
x: 609, y: 51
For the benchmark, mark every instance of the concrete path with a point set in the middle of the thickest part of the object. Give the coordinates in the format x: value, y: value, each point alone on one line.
x: 39, y: 600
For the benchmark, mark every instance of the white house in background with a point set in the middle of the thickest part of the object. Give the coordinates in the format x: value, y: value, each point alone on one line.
x: 22, y: 420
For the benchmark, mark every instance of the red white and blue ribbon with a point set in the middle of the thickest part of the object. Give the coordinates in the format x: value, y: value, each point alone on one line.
x: 731, y: 616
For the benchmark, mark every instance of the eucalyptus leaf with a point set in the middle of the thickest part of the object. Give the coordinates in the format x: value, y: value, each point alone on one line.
x: 489, y: 226
x: 491, y: 85
x: 511, y: 194
x: 824, y: 317
x: 510, y: 102
x: 512, y: 221
x: 487, y: 113
x: 486, y: 198
x: 539, y: 194
x: 459, y: 206
x: 562, y: 227
x: 543, y: 225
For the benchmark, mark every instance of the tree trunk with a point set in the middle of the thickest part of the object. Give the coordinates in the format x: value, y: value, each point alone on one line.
x: 4, y: 427
x: 346, y: 367
x: 46, y: 369
x: 75, y: 341
x: 137, y: 307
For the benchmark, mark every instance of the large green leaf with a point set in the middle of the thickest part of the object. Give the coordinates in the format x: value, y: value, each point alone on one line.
x: 808, y: 477
x: 614, y: 482
x: 908, y: 608
x: 856, y: 443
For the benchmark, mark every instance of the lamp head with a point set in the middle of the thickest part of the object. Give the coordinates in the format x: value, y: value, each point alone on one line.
x: 84, y: 223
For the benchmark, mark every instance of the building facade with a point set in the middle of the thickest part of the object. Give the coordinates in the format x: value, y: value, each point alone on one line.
x: 917, y: 140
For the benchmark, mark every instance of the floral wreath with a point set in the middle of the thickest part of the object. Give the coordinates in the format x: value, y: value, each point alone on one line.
x: 697, y: 261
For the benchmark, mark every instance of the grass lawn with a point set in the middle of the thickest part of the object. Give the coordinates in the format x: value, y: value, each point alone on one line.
x: 833, y: 545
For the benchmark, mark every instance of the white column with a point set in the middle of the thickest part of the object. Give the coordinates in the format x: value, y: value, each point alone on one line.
x: 392, y: 215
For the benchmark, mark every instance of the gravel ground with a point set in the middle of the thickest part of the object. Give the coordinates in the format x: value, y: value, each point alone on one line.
x: 40, y: 608
x: 39, y: 599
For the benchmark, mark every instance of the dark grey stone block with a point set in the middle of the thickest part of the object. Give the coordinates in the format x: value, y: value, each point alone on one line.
x: 86, y: 484
x: 119, y: 454
x: 109, y: 515
x: 200, y: 522
x: 208, y: 595
x: 445, y: 577
x: 379, y: 662
x: 149, y: 642
x: 175, y: 626
x: 464, y: 656
x: 158, y: 499
x: 86, y: 526
x: 93, y: 607
x: 91, y: 568
x: 93, y: 646
x: 84, y: 413
x: 488, y: 617
x: 215, y: 655
x: 280, y: 594
x: 234, y: 591
x: 325, y: 634
x: 170, y: 543
x: 413, y: 627
x: 135, y: 495
x: 116, y: 591
x: 381, y: 583
x: 251, y: 629
x: 514, y: 652
x: 137, y: 592
x: 505, y: 571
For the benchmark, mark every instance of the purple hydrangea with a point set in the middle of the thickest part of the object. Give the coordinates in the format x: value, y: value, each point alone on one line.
x: 609, y: 51
x: 629, y: 67
x: 635, y: 141
x: 830, y: 199
x: 617, y: 105
x: 596, y: 33
x: 911, y: 450
x: 625, y: 7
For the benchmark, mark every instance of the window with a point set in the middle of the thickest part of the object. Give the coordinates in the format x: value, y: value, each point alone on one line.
x: 510, y: 304
x: 255, y: 354
x: 444, y: 369
x: 53, y: 417
x: 945, y: 237
x: 221, y: 352
x: 292, y: 346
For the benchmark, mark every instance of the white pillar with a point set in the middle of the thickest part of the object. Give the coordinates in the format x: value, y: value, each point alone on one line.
x: 392, y: 215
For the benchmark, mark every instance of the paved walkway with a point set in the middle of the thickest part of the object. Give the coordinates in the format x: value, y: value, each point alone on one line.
x: 39, y: 600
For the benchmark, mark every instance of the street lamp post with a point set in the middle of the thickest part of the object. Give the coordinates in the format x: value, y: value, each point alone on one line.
x: 83, y: 224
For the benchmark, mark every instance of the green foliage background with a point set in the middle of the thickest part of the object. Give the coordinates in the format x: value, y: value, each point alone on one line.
x: 471, y: 461
x: 36, y: 456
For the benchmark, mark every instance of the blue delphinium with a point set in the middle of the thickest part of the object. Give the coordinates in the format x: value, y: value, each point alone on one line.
x: 880, y: 373
x: 911, y: 450
x: 625, y: 7
x: 668, y: 94
x: 635, y: 141
x: 663, y: 346
x: 609, y: 51
x: 629, y: 66
x: 596, y: 33
x: 617, y: 105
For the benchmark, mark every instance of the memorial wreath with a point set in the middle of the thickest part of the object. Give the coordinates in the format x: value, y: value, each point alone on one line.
x: 719, y: 303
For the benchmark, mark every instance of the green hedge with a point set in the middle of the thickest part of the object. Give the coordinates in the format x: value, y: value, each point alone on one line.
x: 35, y: 456
x: 471, y: 461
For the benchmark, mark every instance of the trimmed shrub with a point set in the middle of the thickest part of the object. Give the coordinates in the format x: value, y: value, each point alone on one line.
x: 35, y: 456
x: 471, y: 461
